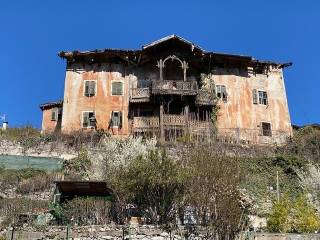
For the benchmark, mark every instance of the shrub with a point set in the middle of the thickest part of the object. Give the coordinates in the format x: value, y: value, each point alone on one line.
x: 213, y: 193
x: 297, y: 216
x: 10, y: 209
x: 154, y: 183
x: 303, y: 216
x: 87, y: 211
x: 36, y: 183
x: 20, y: 133
x: 278, y: 220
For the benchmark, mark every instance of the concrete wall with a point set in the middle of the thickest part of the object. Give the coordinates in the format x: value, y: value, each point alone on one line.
x: 239, y: 112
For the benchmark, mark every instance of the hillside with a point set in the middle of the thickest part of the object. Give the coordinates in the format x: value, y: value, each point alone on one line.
x: 247, y: 172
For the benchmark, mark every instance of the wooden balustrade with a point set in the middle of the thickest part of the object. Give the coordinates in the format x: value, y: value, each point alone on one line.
x: 140, y: 94
x: 205, y: 97
x: 175, y: 87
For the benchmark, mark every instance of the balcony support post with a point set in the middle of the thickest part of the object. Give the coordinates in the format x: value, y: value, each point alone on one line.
x: 185, y: 67
x: 186, y: 118
x: 162, y: 137
x: 160, y: 65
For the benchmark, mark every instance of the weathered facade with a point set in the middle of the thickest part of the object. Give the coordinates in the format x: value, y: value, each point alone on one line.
x: 172, y: 88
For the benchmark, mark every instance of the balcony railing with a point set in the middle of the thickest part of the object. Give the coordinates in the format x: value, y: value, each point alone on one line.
x: 175, y: 87
x: 205, y: 97
x: 169, y: 120
x: 140, y: 95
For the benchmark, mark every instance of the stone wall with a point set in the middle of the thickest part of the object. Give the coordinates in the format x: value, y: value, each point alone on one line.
x: 143, y: 232
x: 54, y: 150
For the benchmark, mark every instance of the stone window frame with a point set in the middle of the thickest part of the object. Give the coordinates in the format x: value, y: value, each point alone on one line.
x: 117, y: 81
x: 269, y: 131
x: 223, y: 98
x: 95, y: 89
x: 256, y: 97
x: 121, y: 119
x: 82, y: 118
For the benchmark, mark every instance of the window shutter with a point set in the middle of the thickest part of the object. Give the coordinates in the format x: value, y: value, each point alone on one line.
x: 255, y: 96
x: 86, y: 88
x: 120, y: 119
x: 54, y: 114
x: 266, y: 97
x: 92, y: 88
x: 85, y: 122
x: 224, y: 93
x: 112, y: 119
x: 117, y: 88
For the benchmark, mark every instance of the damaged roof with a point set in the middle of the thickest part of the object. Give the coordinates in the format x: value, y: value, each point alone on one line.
x: 51, y: 104
x: 126, y: 53
x: 170, y: 37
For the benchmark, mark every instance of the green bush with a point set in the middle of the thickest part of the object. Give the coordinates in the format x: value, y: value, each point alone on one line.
x: 154, y: 183
x: 296, y: 216
x: 304, y: 219
x: 278, y: 220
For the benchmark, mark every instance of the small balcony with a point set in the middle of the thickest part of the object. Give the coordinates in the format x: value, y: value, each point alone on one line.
x: 204, y: 97
x: 175, y: 87
x: 140, y: 95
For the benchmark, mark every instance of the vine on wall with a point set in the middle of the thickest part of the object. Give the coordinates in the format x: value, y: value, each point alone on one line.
x: 207, y: 83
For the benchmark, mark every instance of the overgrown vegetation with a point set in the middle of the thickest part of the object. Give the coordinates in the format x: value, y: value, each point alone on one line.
x: 154, y: 183
x: 214, y: 186
x: 27, y: 180
x: 12, y: 209
x: 296, y: 215
x: 83, y: 211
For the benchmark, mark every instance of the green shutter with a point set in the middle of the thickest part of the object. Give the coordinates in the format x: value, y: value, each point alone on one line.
x: 255, y: 96
x: 86, y: 88
x: 85, y: 122
x: 120, y: 119
x: 54, y: 114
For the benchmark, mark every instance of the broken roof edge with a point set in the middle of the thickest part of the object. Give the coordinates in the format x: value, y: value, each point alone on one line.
x: 172, y: 36
x: 66, y: 54
x: 51, y: 104
x: 70, y: 54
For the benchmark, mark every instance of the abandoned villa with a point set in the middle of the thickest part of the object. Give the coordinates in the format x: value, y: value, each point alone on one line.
x: 171, y: 88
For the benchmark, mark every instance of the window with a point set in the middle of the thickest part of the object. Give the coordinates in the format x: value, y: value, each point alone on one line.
x: 222, y: 92
x: 116, y: 119
x: 266, y: 129
x: 117, y: 89
x: 90, y: 88
x: 88, y: 120
x: 54, y: 114
x: 259, y: 97
x: 263, y: 98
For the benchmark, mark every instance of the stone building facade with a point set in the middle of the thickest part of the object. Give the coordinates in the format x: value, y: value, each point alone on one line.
x: 170, y: 88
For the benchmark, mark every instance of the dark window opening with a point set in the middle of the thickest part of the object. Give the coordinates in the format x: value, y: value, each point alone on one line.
x: 222, y: 92
x: 266, y: 129
x: 116, y: 119
x: 263, y: 98
x: 89, y: 120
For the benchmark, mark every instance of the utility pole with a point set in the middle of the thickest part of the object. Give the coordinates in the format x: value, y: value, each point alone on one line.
x: 278, y: 189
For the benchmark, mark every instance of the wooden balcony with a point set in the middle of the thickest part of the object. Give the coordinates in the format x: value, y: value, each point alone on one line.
x: 140, y: 95
x: 141, y: 124
x: 205, y: 97
x: 175, y: 87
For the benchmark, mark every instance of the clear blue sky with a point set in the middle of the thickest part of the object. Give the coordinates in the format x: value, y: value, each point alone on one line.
x: 32, y: 32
